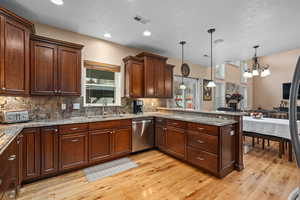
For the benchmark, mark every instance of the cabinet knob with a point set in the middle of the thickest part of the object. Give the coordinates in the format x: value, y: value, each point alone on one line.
x: 231, y: 133
x: 199, y: 158
x: 12, y: 157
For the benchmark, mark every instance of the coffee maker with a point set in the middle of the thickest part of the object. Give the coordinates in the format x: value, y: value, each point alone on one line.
x: 137, y: 106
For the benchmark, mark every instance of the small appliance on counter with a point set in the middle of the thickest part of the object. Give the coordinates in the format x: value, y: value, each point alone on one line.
x: 137, y: 106
x: 9, y: 117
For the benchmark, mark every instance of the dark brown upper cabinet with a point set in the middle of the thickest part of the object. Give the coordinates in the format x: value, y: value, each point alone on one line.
x: 55, y: 67
x: 148, y: 75
x: 14, y: 53
x: 134, y: 77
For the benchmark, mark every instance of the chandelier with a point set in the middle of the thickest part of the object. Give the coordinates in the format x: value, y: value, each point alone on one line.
x: 257, y: 69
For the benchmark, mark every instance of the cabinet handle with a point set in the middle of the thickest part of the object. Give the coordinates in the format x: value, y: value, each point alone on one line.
x: 51, y: 129
x: 175, y: 124
x: 12, y: 157
x: 200, y: 129
x: 200, y: 141
x: 75, y: 140
x: 199, y: 158
x: 74, y: 129
x: 231, y: 133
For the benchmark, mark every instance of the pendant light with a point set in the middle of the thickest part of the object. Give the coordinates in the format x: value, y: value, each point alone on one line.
x: 256, y: 67
x: 182, y: 86
x: 211, y: 83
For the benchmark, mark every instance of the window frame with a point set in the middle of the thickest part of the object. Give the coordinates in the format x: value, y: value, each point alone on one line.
x: 222, y: 76
x: 117, y: 90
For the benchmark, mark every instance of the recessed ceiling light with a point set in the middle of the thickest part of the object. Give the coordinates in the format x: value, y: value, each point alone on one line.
x: 107, y: 35
x: 58, y: 2
x: 147, y: 33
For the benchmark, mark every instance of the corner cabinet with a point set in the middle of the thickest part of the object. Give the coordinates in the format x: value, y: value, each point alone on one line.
x: 55, y: 67
x: 14, y: 53
x: 148, y: 76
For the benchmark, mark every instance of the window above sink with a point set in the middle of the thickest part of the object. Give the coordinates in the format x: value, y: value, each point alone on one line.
x: 101, y: 84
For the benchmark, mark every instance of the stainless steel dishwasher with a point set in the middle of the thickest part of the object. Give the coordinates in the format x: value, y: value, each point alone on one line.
x: 142, y: 134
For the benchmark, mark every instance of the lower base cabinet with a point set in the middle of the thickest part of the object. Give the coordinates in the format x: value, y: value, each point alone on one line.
x: 175, y: 141
x: 49, y: 150
x: 122, y: 141
x: 100, y: 145
x: 73, y: 150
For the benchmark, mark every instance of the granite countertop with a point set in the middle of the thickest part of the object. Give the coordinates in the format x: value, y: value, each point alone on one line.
x: 10, y: 131
x: 215, y: 112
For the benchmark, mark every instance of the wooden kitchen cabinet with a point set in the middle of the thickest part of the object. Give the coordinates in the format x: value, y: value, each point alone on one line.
x: 122, y: 140
x: 49, y: 150
x: 14, y: 53
x: 31, y: 153
x: 69, y: 71
x: 147, y: 75
x: 134, y: 77
x: 100, y: 145
x: 168, y: 81
x: 55, y: 67
x: 160, y: 133
x: 73, y: 150
x: 175, y: 141
x: 9, y: 160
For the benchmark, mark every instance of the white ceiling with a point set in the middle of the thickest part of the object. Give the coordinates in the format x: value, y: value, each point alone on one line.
x: 273, y: 24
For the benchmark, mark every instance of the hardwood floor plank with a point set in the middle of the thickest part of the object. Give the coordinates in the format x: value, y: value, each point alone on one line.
x: 161, y: 177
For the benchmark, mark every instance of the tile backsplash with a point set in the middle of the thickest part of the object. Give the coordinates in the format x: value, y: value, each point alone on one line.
x: 49, y: 107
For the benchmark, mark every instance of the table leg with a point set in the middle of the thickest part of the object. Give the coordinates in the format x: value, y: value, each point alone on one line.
x: 290, y: 151
x: 268, y: 143
x: 253, y: 142
x: 263, y: 144
x: 280, y: 149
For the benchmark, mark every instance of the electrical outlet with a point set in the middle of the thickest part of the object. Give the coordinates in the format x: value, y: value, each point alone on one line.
x: 76, y: 106
x: 63, y: 106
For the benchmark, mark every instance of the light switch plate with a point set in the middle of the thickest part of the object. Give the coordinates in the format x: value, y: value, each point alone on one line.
x: 63, y: 106
x: 76, y: 106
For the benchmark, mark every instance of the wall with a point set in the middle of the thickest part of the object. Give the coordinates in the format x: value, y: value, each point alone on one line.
x: 268, y: 90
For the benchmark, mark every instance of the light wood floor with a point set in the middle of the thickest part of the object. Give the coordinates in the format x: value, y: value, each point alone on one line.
x: 160, y: 177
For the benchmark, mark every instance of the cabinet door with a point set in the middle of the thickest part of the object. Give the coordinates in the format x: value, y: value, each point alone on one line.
x: 69, y: 71
x: 228, y: 146
x: 160, y: 137
x: 176, y: 141
x: 15, y: 47
x: 168, y: 81
x: 43, y: 68
x: 159, y: 77
x: 100, y: 145
x: 122, y: 141
x: 49, y: 150
x: 73, y: 150
x: 31, y: 153
x: 136, y: 77
x: 149, y: 73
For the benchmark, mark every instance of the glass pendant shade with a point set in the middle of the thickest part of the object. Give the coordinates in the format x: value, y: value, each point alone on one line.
x: 248, y: 74
x: 211, y: 84
x: 265, y: 72
x: 182, y: 86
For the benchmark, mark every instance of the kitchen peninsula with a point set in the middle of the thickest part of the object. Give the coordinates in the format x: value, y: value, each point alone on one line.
x: 43, y: 149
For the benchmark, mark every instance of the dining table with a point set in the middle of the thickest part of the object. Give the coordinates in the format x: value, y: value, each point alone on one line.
x: 270, y: 129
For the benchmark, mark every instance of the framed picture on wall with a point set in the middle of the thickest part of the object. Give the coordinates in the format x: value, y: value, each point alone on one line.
x: 207, y: 91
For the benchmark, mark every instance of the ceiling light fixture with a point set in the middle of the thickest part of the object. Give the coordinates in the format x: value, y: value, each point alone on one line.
x: 107, y: 35
x: 211, y: 83
x: 256, y: 67
x: 58, y: 2
x: 147, y: 33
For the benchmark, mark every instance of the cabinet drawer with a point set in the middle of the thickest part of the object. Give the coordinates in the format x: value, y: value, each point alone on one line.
x: 201, y: 128
x: 73, y: 128
x: 176, y: 123
x: 110, y: 124
x: 203, y: 159
x: 203, y: 141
